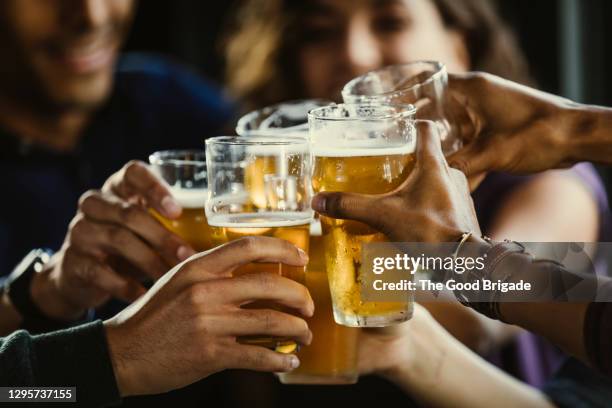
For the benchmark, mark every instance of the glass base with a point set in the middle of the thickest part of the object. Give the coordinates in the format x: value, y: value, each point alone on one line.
x: 385, y: 320
x: 308, y: 379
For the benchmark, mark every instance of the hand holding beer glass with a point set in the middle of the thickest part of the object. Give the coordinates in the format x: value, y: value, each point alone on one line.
x: 331, y: 357
x: 185, y: 172
x: 421, y: 83
x: 359, y: 148
x: 260, y: 186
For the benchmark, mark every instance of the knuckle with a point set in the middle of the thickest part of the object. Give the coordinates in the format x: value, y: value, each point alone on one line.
x: 258, y: 358
x: 133, y: 166
x: 79, y: 227
x: 88, y: 199
x: 269, y: 320
x: 210, y: 350
x: 196, y: 294
x: 248, y: 244
x: 130, y: 214
x: 87, y: 271
x: 132, y: 170
x: 266, y: 281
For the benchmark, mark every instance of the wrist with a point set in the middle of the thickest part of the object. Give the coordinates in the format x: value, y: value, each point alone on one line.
x: 578, y: 139
x: 120, y: 367
x: 418, y: 368
x: 49, y: 299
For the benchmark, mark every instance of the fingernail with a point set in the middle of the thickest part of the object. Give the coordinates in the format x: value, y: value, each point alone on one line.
x: 302, y: 254
x: 294, y: 362
x: 184, y: 252
x: 170, y: 206
x: 319, y: 203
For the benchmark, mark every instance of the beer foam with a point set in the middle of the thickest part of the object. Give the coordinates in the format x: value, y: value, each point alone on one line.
x: 279, y: 149
x: 316, y: 229
x: 190, y: 198
x: 261, y: 220
x: 362, y: 150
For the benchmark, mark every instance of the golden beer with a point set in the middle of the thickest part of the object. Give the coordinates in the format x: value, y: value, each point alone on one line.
x: 191, y: 225
x: 368, y: 171
x: 290, y: 227
x: 331, y: 358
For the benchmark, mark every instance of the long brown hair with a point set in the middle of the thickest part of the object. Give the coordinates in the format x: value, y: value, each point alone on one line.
x: 261, y: 44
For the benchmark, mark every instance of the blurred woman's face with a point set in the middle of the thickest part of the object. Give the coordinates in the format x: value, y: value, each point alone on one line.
x: 347, y: 38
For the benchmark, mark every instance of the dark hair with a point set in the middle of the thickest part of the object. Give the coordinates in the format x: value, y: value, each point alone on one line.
x: 259, y: 48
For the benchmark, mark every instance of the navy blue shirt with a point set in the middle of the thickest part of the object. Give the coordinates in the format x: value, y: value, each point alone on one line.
x: 155, y: 104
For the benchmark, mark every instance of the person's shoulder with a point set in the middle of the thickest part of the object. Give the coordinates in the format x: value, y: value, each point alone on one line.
x: 161, y: 83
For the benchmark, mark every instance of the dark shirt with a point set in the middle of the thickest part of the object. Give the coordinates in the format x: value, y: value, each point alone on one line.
x: 155, y: 105
x: 76, y: 357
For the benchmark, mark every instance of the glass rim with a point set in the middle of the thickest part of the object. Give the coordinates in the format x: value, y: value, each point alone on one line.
x: 244, y: 121
x: 407, y: 111
x: 440, y: 70
x: 158, y: 158
x: 258, y: 140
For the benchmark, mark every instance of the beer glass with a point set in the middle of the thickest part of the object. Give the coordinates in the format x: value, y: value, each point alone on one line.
x: 260, y: 186
x: 421, y: 83
x: 359, y: 148
x: 331, y: 358
x: 185, y: 172
x: 287, y: 119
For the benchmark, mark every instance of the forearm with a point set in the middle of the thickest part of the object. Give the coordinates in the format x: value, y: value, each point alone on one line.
x: 544, y: 311
x: 76, y: 357
x: 447, y: 374
x: 589, y: 134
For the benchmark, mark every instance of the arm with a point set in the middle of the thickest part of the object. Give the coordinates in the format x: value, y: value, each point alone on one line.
x: 193, y: 314
x: 426, y: 362
x: 75, y: 357
x: 534, y: 213
x: 540, y: 132
x: 111, y: 225
x: 436, y: 198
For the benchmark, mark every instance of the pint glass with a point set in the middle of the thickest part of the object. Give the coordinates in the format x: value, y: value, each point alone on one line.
x: 359, y: 148
x: 331, y: 358
x: 260, y: 186
x: 420, y: 83
x: 185, y: 172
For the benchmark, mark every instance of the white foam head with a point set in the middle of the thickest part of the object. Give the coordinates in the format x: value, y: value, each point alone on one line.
x: 261, y: 219
x: 362, y: 149
x: 190, y: 198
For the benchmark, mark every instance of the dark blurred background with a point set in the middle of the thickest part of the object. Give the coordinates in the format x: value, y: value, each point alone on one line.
x: 567, y: 42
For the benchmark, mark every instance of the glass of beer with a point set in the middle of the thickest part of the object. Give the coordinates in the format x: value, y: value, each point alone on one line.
x: 359, y: 148
x: 331, y: 358
x: 286, y: 119
x: 260, y: 186
x: 185, y: 173
x: 421, y: 83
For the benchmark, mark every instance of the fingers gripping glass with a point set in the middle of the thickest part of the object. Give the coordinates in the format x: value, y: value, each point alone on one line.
x: 185, y: 173
x: 260, y: 186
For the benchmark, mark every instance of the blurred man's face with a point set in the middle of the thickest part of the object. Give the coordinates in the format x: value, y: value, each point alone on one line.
x: 61, y: 53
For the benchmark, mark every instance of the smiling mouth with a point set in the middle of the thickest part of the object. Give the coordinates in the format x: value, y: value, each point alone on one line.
x: 87, y: 58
